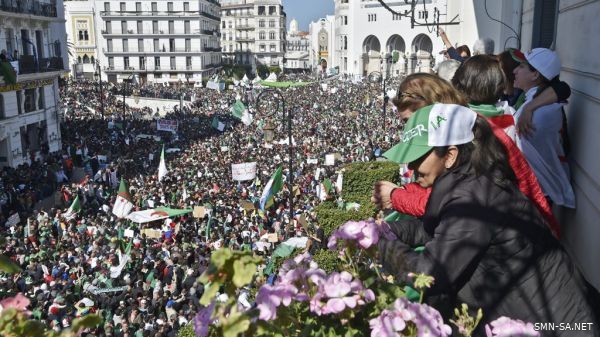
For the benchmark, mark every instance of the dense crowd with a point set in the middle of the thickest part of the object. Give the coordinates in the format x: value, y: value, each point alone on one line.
x: 76, y: 266
x: 142, y: 278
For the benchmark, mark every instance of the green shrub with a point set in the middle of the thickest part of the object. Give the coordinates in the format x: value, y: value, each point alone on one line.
x: 358, y: 187
x: 327, y: 260
x: 186, y: 331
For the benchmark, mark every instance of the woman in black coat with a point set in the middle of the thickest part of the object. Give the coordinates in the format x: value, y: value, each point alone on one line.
x: 485, y: 242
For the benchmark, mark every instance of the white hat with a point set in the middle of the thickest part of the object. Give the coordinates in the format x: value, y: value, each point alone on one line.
x: 545, y: 61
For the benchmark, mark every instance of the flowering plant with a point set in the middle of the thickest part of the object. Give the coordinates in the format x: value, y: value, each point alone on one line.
x: 357, y: 299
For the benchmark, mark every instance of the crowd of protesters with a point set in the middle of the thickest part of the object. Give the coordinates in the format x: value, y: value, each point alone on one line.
x: 144, y: 284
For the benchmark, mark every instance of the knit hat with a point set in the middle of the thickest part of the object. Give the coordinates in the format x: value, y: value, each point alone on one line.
x: 433, y: 126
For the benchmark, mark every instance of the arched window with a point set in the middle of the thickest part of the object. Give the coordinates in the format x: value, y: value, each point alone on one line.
x: 271, y: 35
x: 92, y: 60
x: 261, y: 35
x: 86, y: 59
x: 79, y: 59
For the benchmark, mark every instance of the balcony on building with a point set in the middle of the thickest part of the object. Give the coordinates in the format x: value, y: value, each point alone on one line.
x: 28, y: 64
x: 26, y: 9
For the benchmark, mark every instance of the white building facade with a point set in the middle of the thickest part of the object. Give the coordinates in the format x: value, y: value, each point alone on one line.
x: 81, y: 36
x: 369, y: 38
x: 33, y: 36
x: 166, y: 42
x: 322, y: 41
x: 253, y: 32
x: 298, y: 49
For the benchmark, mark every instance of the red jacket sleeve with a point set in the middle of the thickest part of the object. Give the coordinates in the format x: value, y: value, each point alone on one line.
x: 410, y: 199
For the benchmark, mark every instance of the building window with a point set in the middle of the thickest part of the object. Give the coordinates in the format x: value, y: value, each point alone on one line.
x: 261, y: 23
x: 271, y: 35
x: 372, y: 17
x: 111, y: 62
x: 272, y: 23
x: 188, y: 45
x: 154, y: 7
x: 19, y: 101
x: 186, y: 27
x: 272, y: 10
x: 142, y: 63
x: 272, y: 47
x: 173, y: 64
x: 109, y: 45
x: 158, y: 75
x: 423, y: 14
x: 169, y: 6
x: 188, y: 63
x: 171, y: 45
x: 223, y: 24
x: 138, y: 7
x: 41, y: 99
x: 140, y: 27
x: 29, y: 104
x: 186, y: 6
x: 154, y: 27
x: 156, y: 45
x: 123, y: 27
x: 126, y: 62
x: 262, y: 47
x: 2, y: 114
x: 345, y: 20
x: 107, y: 6
x: 157, y: 63
x: 261, y: 35
x: 108, y: 27
x: 171, y: 27
x: 125, y: 45
x: 261, y: 10
x: 140, y: 45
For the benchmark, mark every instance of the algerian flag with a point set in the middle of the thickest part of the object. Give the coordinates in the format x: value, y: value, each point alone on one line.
x: 237, y: 109
x: 274, y: 185
x: 217, y: 124
x: 162, y: 166
x: 123, y: 204
x: 247, y: 118
x: 74, y: 209
x: 324, y: 189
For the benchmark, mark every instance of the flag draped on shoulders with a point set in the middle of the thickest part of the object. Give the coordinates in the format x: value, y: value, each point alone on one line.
x: 123, y: 204
x: 274, y: 185
x: 162, y: 166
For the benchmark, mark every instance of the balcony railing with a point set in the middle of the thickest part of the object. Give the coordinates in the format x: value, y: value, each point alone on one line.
x: 210, y: 15
x: 244, y: 27
x: 160, y: 51
x: 30, y: 7
x: 171, y: 69
x: 158, y: 32
x: 151, y: 13
x: 29, y: 65
x: 217, y: 49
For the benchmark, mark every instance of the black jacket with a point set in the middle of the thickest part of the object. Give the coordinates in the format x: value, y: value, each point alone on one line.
x: 488, y: 247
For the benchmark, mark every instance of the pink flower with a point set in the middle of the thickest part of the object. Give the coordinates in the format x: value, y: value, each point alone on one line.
x: 338, y: 292
x: 393, y: 321
x: 270, y: 297
x: 366, y: 233
x: 18, y: 302
x: 506, y: 327
x: 203, y: 320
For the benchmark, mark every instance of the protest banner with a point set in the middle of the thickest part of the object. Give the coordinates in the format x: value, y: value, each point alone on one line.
x: 199, y: 212
x: 108, y: 290
x: 128, y: 233
x: 166, y: 125
x: 247, y: 205
x: 272, y: 238
x: 152, y: 233
x: 243, y: 171
x: 13, y: 220
x: 312, y: 161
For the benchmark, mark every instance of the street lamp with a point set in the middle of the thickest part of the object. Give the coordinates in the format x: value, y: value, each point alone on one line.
x: 131, y: 80
x: 99, y: 78
x: 277, y: 96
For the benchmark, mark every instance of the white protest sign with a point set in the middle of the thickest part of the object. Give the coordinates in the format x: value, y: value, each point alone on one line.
x: 243, y: 171
x: 312, y: 161
x: 166, y: 125
x: 128, y: 233
x: 330, y: 159
x: 13, y: 220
